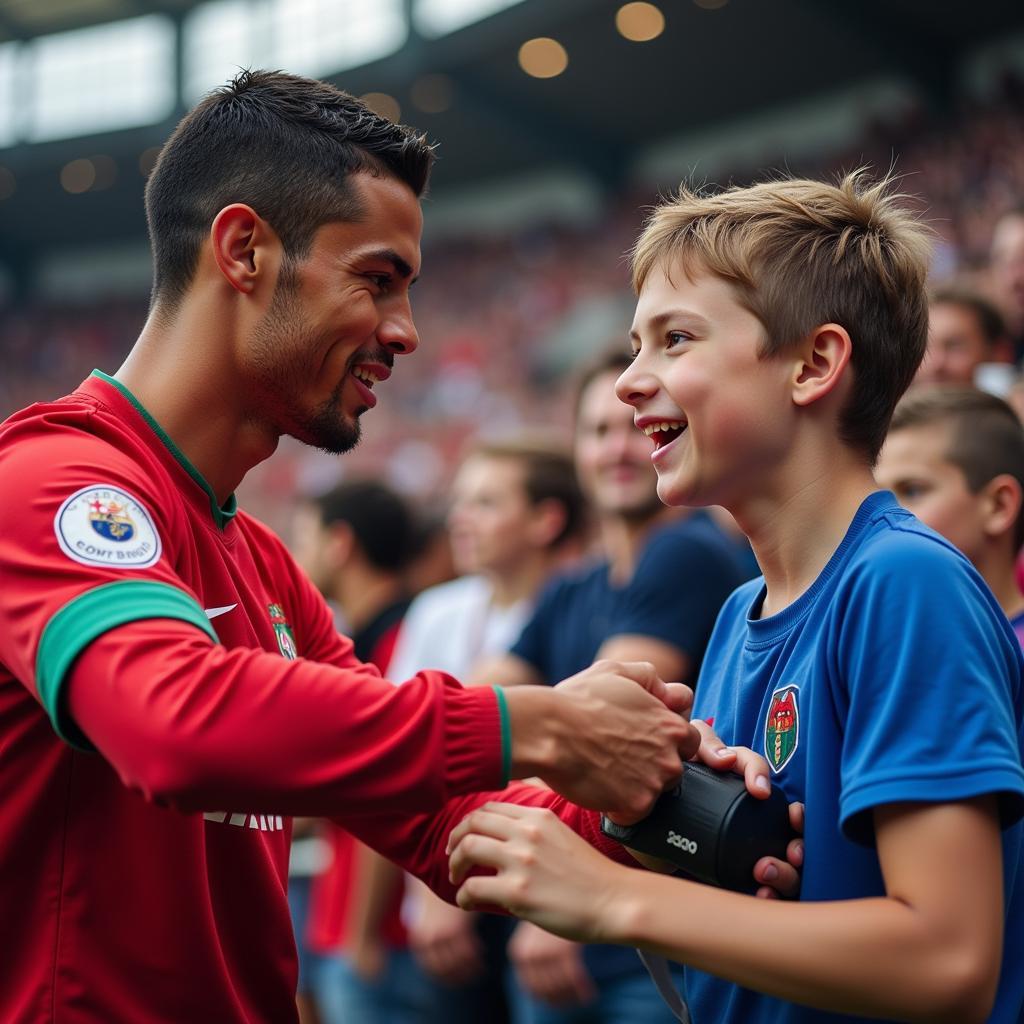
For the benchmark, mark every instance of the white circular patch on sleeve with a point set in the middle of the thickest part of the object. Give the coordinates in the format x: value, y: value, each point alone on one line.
x: 101, y: 525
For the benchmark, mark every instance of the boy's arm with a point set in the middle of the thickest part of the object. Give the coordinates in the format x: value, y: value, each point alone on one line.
x: 930, y: 950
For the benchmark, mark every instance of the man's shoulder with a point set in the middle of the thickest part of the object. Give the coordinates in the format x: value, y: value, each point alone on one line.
x: 570, y: 584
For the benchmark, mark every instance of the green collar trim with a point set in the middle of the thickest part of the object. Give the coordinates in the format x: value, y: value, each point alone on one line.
x: 221, y: 515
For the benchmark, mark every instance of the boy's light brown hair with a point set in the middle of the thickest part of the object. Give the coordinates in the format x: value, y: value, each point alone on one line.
x: 985, y: 436
x: 803, y: 253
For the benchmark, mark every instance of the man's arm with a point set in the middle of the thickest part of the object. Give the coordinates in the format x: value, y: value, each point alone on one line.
x: 192, y: 724
x: 929, y: 950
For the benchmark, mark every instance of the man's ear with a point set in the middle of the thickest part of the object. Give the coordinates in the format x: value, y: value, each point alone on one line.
x: 1001, y: 502
x: 244, y: 247
x: 822, y: 359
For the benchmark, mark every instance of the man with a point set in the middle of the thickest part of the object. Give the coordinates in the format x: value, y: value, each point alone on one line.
x: 654, y: 595
x: 171, y: 685
x: 965, y: 332
x: 517, y: 514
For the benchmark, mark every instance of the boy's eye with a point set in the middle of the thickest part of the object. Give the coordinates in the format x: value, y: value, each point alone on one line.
x: 677, y: 338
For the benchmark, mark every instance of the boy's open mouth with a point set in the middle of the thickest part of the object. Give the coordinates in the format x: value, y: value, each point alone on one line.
x: 665, y: 432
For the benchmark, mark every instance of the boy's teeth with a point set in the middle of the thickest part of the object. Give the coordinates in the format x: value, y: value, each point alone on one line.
x: 655, y: 428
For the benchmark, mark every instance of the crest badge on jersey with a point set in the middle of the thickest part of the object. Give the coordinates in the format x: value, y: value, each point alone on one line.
x: 103, y: 525
x: 283, y: 630
x: 782, y: 727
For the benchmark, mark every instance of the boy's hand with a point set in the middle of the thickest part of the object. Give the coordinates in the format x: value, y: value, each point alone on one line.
x: 779, y: 879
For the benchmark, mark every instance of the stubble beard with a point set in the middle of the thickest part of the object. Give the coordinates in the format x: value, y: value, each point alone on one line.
x: 281, y: 345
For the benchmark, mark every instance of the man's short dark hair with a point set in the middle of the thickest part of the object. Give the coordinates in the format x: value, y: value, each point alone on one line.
x: 989, y: 319
x: 284, y: 145
x: 986, y: 438
x: 382, y: 522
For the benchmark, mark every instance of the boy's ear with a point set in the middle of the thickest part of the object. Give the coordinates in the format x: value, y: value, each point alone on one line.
x: 1001, y: 501
x: 821, y: 361
x: 245, y: 247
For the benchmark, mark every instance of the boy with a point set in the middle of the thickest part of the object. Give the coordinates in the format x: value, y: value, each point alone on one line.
x: 776, y: 328
x: 955, y: 458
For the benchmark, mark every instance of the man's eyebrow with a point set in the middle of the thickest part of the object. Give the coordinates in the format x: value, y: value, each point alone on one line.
x: 401, y: 267
x: 660, y: 319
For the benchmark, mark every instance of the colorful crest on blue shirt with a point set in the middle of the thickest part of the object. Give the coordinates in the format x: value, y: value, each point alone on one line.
x: 283, y: 630
x: 782, y: 727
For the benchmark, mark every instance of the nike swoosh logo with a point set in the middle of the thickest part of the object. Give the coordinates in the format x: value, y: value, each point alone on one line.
x: 212, y: 613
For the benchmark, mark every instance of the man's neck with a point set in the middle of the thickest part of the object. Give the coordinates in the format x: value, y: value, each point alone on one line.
x: 795, y: 529
x: 182, y: 376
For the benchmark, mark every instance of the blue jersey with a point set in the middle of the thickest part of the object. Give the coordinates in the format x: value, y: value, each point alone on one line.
x: 894, y: 677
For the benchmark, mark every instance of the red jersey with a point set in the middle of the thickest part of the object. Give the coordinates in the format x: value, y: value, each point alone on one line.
x: 143, y: 837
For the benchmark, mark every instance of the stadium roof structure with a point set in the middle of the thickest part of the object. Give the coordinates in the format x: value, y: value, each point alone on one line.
x: 716, y: 61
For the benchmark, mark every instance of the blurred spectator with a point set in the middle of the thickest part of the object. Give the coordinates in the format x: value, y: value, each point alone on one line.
x: 355, y: 542
x: 652, y: 595
x: 517, y: 514
x: 955, y: 458
x: 1008, y: 271
x: 966, y: 337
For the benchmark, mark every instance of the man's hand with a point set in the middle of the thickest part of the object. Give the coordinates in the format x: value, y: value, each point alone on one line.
x: 444, y: 941
x: 779, y: 879
x: 550, y: 968
x: 612, y: 740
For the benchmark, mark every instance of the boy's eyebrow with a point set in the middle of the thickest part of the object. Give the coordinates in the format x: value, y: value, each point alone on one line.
x: 660, y: 319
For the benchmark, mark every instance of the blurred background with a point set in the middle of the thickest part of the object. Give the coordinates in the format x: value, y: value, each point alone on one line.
x: 558, y: 122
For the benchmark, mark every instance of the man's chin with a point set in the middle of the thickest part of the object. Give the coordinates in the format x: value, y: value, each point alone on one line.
x: 331, y: 435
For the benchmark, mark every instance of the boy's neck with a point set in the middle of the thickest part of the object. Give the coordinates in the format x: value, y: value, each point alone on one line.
x: 795, y: 531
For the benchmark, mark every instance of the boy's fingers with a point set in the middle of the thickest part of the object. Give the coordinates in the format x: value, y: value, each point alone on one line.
x: 782, y: 878
x: 796, y: 817
x: 712, y: 752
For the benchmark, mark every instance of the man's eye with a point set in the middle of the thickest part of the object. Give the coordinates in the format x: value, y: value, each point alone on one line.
x: 382, y: 281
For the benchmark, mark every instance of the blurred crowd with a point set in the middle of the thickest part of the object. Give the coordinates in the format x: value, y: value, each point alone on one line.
x: 503, y: 319
x: 554, y: 548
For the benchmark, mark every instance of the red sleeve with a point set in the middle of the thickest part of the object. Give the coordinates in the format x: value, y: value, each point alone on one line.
x: 85, y: 542
x: 417, y: 843
x: 199, y: 726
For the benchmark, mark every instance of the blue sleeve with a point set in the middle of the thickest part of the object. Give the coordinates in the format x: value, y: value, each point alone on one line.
x: 682, y: 579
x: 928, y: 679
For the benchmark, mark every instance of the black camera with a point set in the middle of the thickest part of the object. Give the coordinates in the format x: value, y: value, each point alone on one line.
x: 712, y: 828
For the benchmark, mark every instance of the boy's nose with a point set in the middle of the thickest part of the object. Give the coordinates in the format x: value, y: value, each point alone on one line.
x: 633, y: 386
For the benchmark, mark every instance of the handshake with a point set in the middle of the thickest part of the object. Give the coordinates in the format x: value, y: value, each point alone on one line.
x: 610, y: 738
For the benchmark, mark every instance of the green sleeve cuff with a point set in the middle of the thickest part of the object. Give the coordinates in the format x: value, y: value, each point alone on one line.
x: 506, y: 736
x: 89, y: 616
